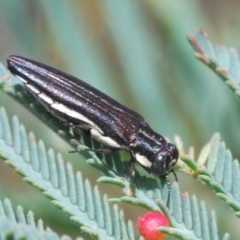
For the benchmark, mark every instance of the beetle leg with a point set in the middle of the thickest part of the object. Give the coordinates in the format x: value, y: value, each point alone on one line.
x: 131, y: 167
x: 100, y: 150
x: 132, y: 170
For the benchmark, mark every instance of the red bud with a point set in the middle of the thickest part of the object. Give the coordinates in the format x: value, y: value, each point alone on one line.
x: 148, y: 224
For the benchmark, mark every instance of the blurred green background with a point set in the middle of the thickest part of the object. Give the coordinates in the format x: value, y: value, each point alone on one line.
x: 136, y: 52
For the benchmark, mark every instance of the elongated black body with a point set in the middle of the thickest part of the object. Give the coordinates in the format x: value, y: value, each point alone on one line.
x: 86, y: 108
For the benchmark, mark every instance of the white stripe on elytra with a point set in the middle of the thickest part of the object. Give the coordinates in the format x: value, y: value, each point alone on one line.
x: 22, y: 79
x: 71, y: 113
x: 103, y: 139
x: 32, y: 88
x: 143, y: 160
x: 45, y: 98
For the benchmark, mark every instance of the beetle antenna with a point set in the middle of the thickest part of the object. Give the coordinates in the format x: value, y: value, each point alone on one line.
x: 175, y: 176
x: 169, y: 190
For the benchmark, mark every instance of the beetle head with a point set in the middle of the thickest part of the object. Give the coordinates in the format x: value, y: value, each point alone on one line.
x: 165, y: 160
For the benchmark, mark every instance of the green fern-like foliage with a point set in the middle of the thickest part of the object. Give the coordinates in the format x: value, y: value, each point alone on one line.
x: 83, y: 203
x: 220, y: 172
x: 17, y: 225
x: 216, y: 167
x: 57, y: 181
x: 223, y: 61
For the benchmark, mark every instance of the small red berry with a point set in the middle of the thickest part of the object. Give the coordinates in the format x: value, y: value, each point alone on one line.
x: 148, y: 224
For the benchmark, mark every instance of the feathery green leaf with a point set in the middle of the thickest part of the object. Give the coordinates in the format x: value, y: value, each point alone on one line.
x: 17, y: 225
x: 219, y: 171
x: 224, y: 62
x: 66, y: 189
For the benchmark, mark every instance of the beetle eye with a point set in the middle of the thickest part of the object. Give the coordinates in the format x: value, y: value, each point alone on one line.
x: 175, y: 155
x: 172, y: 162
